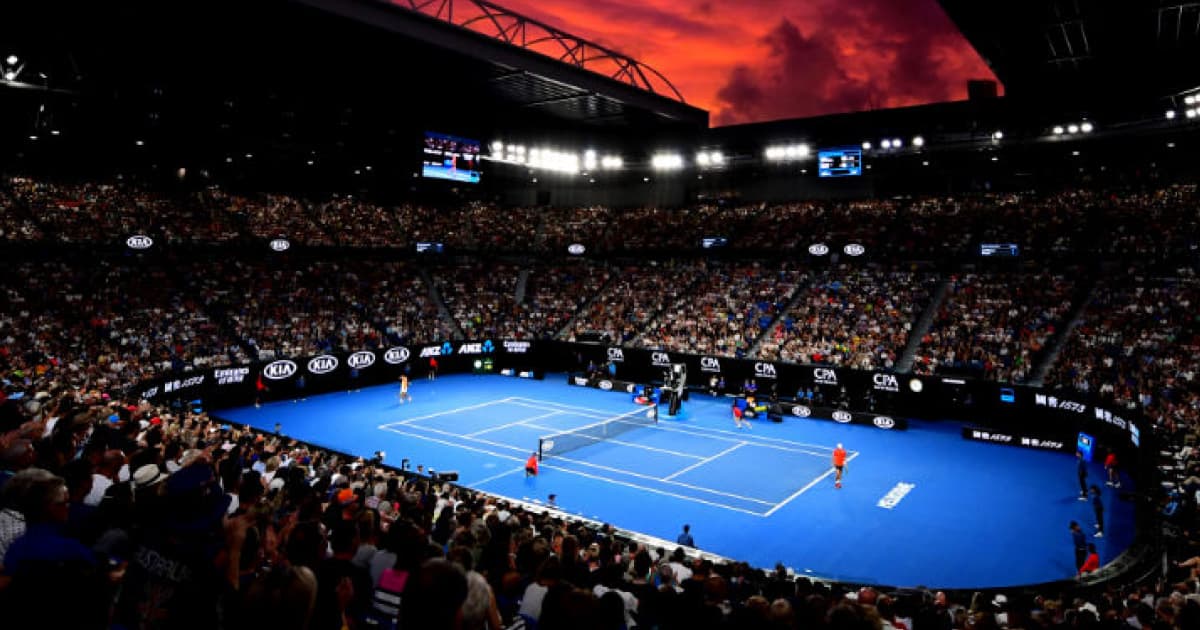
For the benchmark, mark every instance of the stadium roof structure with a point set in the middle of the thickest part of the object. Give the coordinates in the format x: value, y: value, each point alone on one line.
x: 355, y: 78
x: 1102, y: 54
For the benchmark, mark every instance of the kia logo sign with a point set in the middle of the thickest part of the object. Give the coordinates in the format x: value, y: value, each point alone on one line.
x: 818, y: 249
x: 576, y: 249
x: 280, y: 245
x: 360, y: 360
x: 139, y: 241
x: 605, y: 385
x: 547, y: 445
x: 323, y: 364
x: 396, y: 355
x: 842, y: 416
x: 279, y: 369
x: 800, y: 411
x: 764, y: 370
x: 884, y: 422
x: 854, y: 249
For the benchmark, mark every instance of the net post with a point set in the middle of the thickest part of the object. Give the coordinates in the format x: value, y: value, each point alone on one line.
x: 541, y: 456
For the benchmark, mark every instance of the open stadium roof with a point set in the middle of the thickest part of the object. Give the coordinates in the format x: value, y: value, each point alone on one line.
x: 1101, y: 54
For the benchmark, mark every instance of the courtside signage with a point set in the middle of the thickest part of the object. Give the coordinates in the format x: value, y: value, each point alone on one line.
x: 323, y: 364
x: 360, y: 360
x: 396, y: 356
x: 279, y: 369
x: 895, y: 495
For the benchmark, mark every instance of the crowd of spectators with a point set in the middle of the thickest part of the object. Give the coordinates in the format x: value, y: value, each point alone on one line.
x: 1135, y: 347
x: 633, y: 297
x: 996, y: 325
x: 852, y: 318
x: 158, y: 517
x: 725, y: 311
x: 118, y: 513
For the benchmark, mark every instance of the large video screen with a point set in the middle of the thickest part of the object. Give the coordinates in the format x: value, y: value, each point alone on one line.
x: 450, y: 157
x: 839, y: 162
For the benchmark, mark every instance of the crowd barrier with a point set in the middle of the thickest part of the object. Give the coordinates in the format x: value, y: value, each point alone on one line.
x: 1008, y: 414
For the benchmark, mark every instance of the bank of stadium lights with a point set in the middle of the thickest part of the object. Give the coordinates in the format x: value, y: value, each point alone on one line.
x: 1073, y: 128
x: 666, y: 161
x: 612, y: 163
x: 788, y: 152
x: 710, y: 159
x: 12, y: 67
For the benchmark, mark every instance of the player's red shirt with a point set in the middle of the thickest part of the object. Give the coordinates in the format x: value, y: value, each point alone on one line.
x: 1111, y: 460
x: 531, y: 464
x: 839, y: 457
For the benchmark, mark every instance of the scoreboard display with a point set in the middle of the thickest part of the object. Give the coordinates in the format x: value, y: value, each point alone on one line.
x: 839, y: 162
x: 450, y: 157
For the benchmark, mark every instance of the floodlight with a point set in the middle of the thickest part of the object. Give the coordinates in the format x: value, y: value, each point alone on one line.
x: 1058, y: 130
x: 12, y: 60
x: 1072, y: 128
x: 1086, y: 127
x: 497, y: 146
x: 1189, y: 99
x: 717, y: 157
x: 1170, y: 114
x: 918, y: 141
x: 887, y: 144
x: 10, y: 76
x: 997, y: 135
x: 896, y: 143
x: 866, y: 146
x: 702, y: 158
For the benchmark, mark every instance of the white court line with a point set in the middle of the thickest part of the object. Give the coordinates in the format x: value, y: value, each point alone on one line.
x: 454, y: 444
x: 621, y: 442
x: 513, y: 424
x: 619, y: 471
x: 516, y: 400
x: 495, y: 477
x: 805, y: 488
x: 705, y: 461
x: 582, y: 474
x: 443, y: 413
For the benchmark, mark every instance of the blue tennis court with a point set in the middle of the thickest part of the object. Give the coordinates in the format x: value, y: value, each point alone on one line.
x: 921, y: 506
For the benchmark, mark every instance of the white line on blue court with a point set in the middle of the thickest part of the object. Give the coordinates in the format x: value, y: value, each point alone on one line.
x: 513, y: 424
x: 805, y: 488
x: 444, y: 413
x: 705, y: 461
x: 583, y: 474
x: 494, y: 477
x: 576, y: 461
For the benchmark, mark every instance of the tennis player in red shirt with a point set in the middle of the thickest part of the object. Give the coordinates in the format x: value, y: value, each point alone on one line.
x: 839, y: 463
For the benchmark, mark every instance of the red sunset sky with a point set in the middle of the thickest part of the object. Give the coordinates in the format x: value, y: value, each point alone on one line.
x: 757, y: 60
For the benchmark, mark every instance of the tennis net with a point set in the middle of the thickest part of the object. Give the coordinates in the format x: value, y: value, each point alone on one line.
x: 573, y: 439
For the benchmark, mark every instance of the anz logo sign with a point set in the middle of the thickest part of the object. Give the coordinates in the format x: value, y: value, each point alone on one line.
x: 764, y: 370
x: 279, y: 369
x: 396, y: 356
x: 323, y: 364
x: 360, y: 360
